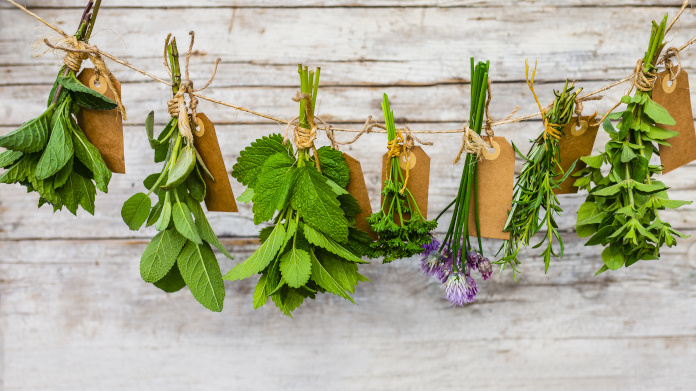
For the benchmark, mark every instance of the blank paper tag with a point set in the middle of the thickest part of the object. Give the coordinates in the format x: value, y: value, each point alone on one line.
x: 419, y: 176
x: 577, y: 142
x: 358, y: 189
x: 677, y: 100
x: 496, y: 177
x: 218, y: 195
x: 103, y: 128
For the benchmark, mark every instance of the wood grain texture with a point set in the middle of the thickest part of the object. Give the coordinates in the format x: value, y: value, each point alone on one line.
x: 75, y: 315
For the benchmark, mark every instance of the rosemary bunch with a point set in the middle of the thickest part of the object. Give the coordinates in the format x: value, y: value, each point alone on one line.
x: 452, y: 261
x: 402, y: 228
x: 621, y: 211
x: 535, y: 189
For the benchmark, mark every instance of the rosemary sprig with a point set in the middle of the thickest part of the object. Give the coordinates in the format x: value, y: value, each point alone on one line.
x: 402, y: 228
x: 535, y: 189
x: 621, y: 211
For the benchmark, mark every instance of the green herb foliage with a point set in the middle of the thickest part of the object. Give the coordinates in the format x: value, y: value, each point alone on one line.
x: 180, y: 254
x: 401, y: 226
x: 541, y: 175
x: 50, y: 154
x: 312, y: 245
x: 621, y: 211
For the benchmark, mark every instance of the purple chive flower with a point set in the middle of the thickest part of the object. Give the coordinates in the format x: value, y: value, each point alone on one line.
x: 428, y: 248
x: 431, y: 265
x: 486, y: 268
x: 460, y: 289
x: 472, y: 259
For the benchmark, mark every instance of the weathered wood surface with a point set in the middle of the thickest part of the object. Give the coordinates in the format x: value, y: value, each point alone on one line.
x: 74, y: 313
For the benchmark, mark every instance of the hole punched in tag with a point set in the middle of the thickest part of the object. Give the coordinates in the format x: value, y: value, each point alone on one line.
x: 669, y: 85
x: 580, y: 128
x: 412, y: 160
x: 493, y: 152
x: 98, y: 83
x: 200, y: 131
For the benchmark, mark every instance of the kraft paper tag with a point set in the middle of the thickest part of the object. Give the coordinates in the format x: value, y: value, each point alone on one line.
x: 577, y: 142
x: 358, y: 189
x: 218, y: 195
x: 418, y: 179
x: 677, y: 100
x: 103, y: 128
x: 496, y: 177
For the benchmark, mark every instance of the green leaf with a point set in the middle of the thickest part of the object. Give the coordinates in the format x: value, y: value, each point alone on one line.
x: 9, y: 158
x: 674, y: 204
x: 654, y: 187
x: 318, y: 205
x: 273, y: 186
x: 658, y: 113
x: 611, y: 190
x: 252, y: 158
x: 165, y: 216
x: 155, y: 213
x: 58, y: 151
x: 185, y: 163
x: 85, y: 96
x: 261, y: 257
x: 627, y: 154
x: 172, y: 282
x: 601, y: 270
x: 296, y: 267
x: 613, y: 258
x: 325, y: 280
x: 204, y: 228
x: 196, y: 185
x: 184, y: 223
x: 160, y: 255
x: 584, y: 231
x: 135, y: 210
x: 62, y: 176
x: 30, y: 137
x: 78, y: 190
x: 657, y: 133
x: 260, y: 292
x: 150, y: 130
x: 22, y: 169
x: 333, y: 166
x: 89, y: 155
x: 318, y: 239
x: 593, y: 161
x: 200, y: 270
x: 247, y: 196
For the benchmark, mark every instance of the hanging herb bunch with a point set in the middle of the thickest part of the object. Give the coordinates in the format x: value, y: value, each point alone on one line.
x: 312, y: 245
x: 401, y: 227
x: 453, y: 260
x: 50, y: 154
x: 621, y: 211
x: 180, y: 254
x: 540, y: 177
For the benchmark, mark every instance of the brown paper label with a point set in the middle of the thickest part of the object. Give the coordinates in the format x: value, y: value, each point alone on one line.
x: 418, y: 177
x: 496, y: 177
x: 103, y: 128
x: 677, y: 100
x: 358, y: 189
x: 577, y: 142
x: 218, y: 195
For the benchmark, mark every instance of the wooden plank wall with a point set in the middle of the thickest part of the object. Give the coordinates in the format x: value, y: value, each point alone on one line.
x: 74, y: 314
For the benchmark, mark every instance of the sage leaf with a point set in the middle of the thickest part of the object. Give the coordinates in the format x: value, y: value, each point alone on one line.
x: 165, y: 216
x: 172, y: 282
x: 181, y: 169
x: 160, y: 255
x: 135, y: 210
x: 200, y: 270
x: 204, y: 228
x: 184, y: 223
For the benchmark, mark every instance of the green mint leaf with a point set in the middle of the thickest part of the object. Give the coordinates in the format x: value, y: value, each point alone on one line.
x: 333, y: 166
x: 76, y: 191
x: 657, y: 133
x: 247, y: 196
x: 58, y: 150
x: 658, y: 113
x: 593, y: 161
x: 160, y: 255
x: 253, y: 157
x: 85, y: 96
x: 46, y: 190
x: 30, y: 137
x: 185, y: 163
x: 8, y: 158
x: 344, y: 272
x: 273, y: 186
x: 184, y: 223
x: 261, y: 257
x: 62, y: 176
x: 89, y: 155
x: 260, y: 296
x: 318, y: 239
x: 613, y: 257
x: 627, y: 154
x: 295, y: 267
x: 318, y: 205
x: 200, y: 270
x: 172, y: 282
x: 325, y: 280
x: 21, y: 169
x: 135, y: 210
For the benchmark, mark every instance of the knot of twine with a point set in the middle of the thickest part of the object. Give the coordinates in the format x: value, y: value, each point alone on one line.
x: 303, y: 138
x: 643, y: 80
x: 579, y: 103
x: 400, y: 145
x: 177, y: 106
x: 669, y: 53
x: 76, y: 52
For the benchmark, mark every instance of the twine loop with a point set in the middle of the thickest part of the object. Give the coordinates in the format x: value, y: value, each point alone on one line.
x: 77, y: 51
x: 669, y: 53
x: 643, y: 80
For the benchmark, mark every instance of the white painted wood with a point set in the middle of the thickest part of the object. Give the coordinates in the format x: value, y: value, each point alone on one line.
x: 75, y: 315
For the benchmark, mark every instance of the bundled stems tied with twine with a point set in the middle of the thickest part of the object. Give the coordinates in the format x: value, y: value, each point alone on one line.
x: 305, y: 132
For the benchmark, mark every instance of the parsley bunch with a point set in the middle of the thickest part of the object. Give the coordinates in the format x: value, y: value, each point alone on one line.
x: 535, y: 188
x: 50, y: 154
x: 401, y: 227
x: 312, y: 245
x: 621, y: 211
x: 180, y: 253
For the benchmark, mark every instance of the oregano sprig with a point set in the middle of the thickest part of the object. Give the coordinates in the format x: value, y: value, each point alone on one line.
x: 312, y: 245
x: 51, y: 154
x: 400, y: 225
x: 180, y: 254
x: 621, y: 211
x: 541, y: 175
